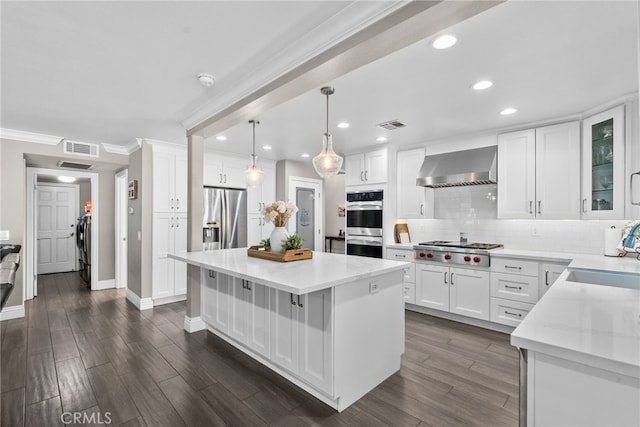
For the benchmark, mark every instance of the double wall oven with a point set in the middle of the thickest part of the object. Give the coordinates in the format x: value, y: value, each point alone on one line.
x: 364, y: 223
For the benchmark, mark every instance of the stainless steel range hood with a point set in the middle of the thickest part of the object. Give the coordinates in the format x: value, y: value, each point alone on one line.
x: 468, y: 167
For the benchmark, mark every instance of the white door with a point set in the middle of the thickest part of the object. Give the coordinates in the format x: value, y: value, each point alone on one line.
x: 470, y: 292
x: 549, y: 273
x: 306, y: 194
x: 558, y: 171
x: 517, y: 174
x: 315, y: 343
x: 432, y: 286
x: 180, y: 245
x: 237, y: 309
x: 57, y: 210
x: 258, y: 317
x: 412, y: 200
x: 180, y: 189
x: 375, y: 170
x: 163, y: 181
x: 284, y: 330
x: 162, y: 274
x: 233, y: 173
x: 121, y: 214
x: 354, y: 167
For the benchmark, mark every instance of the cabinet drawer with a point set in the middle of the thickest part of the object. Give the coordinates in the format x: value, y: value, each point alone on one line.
x: 514, y: 287
x: 400, y: 254
x: 508, y: 312
x: 410, y: 292
x: 514, y: 266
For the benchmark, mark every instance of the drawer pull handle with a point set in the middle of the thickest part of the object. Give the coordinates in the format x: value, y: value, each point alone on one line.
x: 445, y: 278
x: 513, y: 267
x: 292, y: 301
x: 513, y: 287
x: 512, y: 314
x: 546, y: 277
x: 400, y: 256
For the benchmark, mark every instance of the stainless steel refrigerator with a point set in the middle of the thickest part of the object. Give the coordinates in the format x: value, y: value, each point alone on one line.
x: 224, y: 225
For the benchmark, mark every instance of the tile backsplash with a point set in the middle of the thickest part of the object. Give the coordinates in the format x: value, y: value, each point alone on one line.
x: 473, y: 210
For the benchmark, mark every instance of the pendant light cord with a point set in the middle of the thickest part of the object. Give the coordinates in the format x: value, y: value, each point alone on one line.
x: 327, y: 133
x: 253, y: 156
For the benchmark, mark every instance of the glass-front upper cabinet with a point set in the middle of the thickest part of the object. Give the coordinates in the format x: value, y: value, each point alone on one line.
x: 603, y: 165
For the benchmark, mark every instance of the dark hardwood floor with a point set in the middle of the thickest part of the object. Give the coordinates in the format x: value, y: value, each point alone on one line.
x: 94, y: 354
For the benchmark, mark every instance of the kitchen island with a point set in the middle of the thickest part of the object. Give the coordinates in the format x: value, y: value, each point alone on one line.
x: 333, y: 324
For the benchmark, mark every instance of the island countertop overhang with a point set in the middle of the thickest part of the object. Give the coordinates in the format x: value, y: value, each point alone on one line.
x: 324, y: 270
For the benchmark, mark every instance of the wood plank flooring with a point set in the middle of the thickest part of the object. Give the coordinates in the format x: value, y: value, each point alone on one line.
x: 94, y: 353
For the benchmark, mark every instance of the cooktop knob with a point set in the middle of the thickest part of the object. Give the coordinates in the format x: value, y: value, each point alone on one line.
x: 447, y: 256
x: 421, y: 254
x: 429, y: 255
x: 467, y: 258
x: 476, y: 259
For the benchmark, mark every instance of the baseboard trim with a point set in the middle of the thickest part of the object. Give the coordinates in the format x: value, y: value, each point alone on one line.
x: 169, y: 300
x: 140, y: 303
x: 106, y: 284
x: 462, y: 319
x: 194, y: 324
x: 13, y: 312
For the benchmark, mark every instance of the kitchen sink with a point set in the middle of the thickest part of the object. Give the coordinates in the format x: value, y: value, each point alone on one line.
x: 606, y: 278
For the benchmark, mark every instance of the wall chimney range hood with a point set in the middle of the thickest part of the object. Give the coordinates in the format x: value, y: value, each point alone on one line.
x: 468, y: 167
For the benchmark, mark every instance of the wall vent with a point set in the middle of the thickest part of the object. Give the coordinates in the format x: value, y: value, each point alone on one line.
x: 81, y: 148
x: 391, y: 125
x: 72, y: 165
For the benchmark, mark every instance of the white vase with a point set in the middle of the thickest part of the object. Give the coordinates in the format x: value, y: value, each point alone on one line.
x: 277, y: 236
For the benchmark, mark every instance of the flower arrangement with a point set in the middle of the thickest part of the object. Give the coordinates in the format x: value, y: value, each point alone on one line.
x: 279, y: 212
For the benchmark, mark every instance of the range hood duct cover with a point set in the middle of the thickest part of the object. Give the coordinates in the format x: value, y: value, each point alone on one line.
x: 468, y: 167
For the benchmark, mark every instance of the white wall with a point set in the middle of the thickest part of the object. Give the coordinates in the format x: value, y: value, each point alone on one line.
x: 334, y: 195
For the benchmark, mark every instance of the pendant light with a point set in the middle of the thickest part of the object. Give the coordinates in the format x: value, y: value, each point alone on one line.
x: 327, y: 163
x: 254, y: 174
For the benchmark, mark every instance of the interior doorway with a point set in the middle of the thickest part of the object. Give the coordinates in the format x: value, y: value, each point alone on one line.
x: 56, y: 211
x: 37, y: 218
x: 306, y: 193
x: 121, y: 216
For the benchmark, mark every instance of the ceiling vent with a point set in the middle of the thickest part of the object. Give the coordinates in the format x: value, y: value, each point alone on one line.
x: 391, y: 125
x: 72, y: 165
x: 81, y: 148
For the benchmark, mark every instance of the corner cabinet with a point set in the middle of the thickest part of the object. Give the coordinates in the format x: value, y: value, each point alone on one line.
x: 413, y: 201
x: 366, y: 168
x: 539, y: 173
x: 603, y: 165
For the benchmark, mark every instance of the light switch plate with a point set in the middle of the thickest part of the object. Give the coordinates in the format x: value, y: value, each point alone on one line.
x: 4, y: 235
x: 139, y: 235
x: 373, y: 287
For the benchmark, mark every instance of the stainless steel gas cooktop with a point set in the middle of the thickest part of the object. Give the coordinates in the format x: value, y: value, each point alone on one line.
x: 473, y: 254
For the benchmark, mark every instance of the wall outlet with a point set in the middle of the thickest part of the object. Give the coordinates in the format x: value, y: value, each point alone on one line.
x: 373, y: 287
x: 139, y: 235
x: 534, y: 231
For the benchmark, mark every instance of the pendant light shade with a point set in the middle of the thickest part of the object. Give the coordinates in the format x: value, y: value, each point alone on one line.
x: 327, y: 163
x: 254, y: 173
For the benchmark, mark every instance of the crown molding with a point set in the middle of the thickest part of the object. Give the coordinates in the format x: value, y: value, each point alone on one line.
x: 37, y: 138
x: 331, y: 32
x: 115, y: 149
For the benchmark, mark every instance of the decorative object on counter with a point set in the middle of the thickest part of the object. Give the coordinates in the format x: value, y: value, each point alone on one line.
x: 266, y: 242
x: 292, y: 242
x: 611, y: 241
x: 630, y: 239
x: 327, y: 163
x: 254, y: 173
x: 279, y: 213
x: 341, y: 209
x: 401, y: 233
x: 286, y: 256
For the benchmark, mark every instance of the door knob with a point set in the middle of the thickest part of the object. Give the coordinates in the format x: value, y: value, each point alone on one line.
x: 124, y: 238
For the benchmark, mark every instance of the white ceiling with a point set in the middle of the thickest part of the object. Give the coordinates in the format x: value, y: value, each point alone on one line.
x: 112, y: 71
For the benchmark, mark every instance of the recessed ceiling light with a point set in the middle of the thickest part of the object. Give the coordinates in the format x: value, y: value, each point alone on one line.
x: 266, y: 147
x: 305, y: 155
x: 343, y: 125
x: 206, y: 79
x: 66, y: 179
x: 482, y: 85
x: 381, y: 139
x: 444, y: 42
x: 508, y: 111
x: 221, y: 138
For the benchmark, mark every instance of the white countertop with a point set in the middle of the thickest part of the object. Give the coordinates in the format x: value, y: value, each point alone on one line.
x: 590, y: 324
x: 324, y: 270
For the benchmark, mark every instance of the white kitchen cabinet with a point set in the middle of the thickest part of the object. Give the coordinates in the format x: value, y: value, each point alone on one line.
x: 603, y: 158
x: 169, y: 180
x: 249, y: 314
x: 221, y: 170
x: 548, y: 274
x: 215, y: 299
x: 409, y: 279
x: 366, y: 168
x: 539, y: 173
x: 264, y: 193
x: 514, y: 289
x: 169, y: 277
x: 456, y: 290
x: 413, y: 201
x: 257, y: 229
x: 301, y: 336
